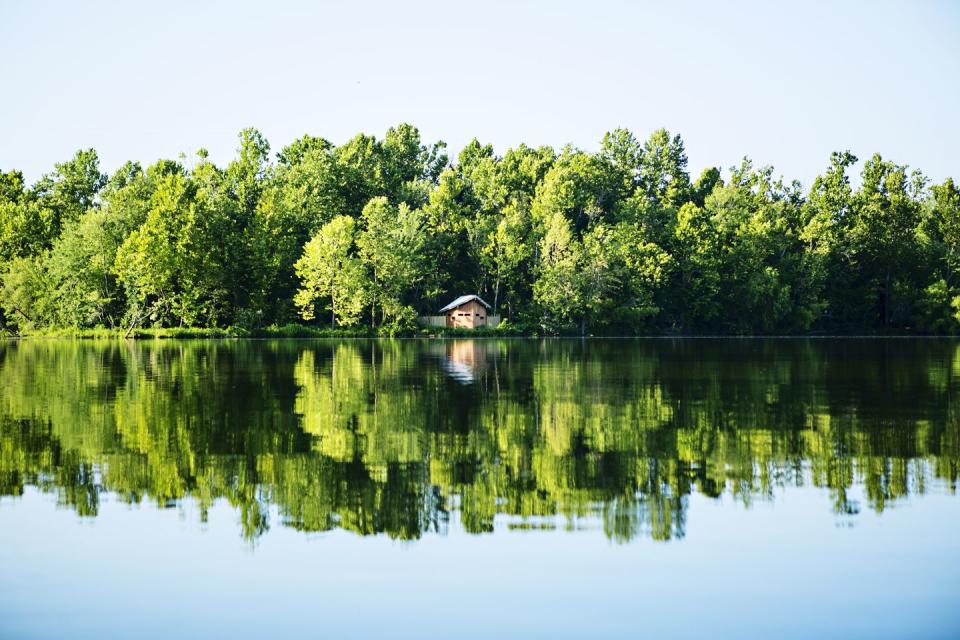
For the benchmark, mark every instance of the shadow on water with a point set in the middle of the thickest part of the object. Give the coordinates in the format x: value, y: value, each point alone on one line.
x: 396, y: 437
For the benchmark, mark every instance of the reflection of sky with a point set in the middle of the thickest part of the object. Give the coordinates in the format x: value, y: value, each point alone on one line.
x: 787, y: 568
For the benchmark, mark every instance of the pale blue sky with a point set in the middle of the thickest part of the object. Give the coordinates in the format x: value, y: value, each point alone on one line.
x: 784, y: 82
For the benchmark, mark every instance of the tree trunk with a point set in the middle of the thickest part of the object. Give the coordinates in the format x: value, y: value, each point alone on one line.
x: 886, y: 302
x: 373, y: 303
x: 133, y: 325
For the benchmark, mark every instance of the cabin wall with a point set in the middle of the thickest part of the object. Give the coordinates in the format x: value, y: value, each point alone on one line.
x: 468, y: 316
x: 444, y: 321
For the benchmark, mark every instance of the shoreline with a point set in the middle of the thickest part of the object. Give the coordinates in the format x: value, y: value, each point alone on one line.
x: 311, y: 333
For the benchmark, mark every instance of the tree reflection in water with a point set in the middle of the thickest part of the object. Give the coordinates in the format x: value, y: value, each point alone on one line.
x: 397, y: 437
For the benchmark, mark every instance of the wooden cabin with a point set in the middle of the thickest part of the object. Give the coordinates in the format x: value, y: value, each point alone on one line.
x: 466, y: 312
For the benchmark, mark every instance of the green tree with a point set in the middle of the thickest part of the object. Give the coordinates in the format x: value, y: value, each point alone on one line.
x: 939, y: 239
x: 391, y: 246
x: 302, y: 193
x: 881, y: 241
x: 69, y: 191
x: 621, y: 273
x: 663, y: 178
x: 330, y: 270
x: 26, y: 293
x: 80, y: 268
x: 559, y: 287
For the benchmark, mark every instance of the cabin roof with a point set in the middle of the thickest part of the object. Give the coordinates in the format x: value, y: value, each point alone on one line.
x: 462, y: 300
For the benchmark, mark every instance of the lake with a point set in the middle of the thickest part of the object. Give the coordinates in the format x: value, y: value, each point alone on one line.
x: 465, y: 488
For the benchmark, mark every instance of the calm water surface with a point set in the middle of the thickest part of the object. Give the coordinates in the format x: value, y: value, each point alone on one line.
x: 469, y: 488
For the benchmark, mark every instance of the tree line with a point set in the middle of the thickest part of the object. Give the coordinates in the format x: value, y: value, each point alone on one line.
x: 377, y: 231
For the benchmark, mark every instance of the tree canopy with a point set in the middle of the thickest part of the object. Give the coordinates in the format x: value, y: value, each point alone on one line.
x: 377, y: 231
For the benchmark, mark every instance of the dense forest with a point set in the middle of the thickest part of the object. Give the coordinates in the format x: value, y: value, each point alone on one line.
x: 374, y: 232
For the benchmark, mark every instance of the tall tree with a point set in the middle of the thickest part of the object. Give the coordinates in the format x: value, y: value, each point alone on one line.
x: 329, y: 270
x: 391, y: 246
x: 559, y: 287
x: 881, y: 241
x: 939, y: 236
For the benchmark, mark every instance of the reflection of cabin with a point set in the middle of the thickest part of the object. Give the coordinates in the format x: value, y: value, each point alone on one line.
x: 466, y: 359
x: 466, y: 312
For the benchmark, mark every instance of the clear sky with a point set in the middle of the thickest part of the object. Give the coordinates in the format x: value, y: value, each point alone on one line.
x: 783, y: 82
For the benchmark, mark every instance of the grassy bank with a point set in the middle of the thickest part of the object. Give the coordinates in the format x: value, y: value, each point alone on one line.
x: 285, y: 331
